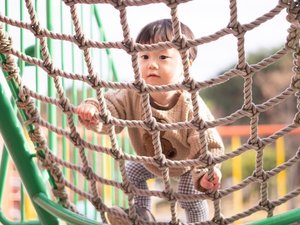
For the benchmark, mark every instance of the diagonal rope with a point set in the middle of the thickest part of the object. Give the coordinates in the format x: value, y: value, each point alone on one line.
x: 249, y: 109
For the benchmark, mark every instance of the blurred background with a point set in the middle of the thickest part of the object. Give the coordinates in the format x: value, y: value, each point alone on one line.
x: 101, y: 22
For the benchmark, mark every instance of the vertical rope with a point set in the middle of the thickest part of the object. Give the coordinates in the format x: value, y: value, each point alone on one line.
x: 249, y: 109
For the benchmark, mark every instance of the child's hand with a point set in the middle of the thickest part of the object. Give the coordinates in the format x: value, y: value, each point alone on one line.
x: 86, y: 113
x: 214, y: 184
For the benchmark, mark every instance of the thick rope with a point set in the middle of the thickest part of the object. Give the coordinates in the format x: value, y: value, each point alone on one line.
x: 249, y: 109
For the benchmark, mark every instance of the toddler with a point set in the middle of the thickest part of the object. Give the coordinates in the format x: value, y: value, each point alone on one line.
x: 161, y: 67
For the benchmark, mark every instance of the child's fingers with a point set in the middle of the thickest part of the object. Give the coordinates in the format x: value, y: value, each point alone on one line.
x: 89, y: 113
x: 216, y: 187
x: 205, y: 183
x: 86, y: 111
x: 216, y: 179
x: 210, y: 185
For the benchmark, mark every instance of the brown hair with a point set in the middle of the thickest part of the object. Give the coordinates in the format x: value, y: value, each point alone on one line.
x: 161, y: 30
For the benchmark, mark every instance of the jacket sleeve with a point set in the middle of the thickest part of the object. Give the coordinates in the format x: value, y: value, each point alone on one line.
x: 214, y: 144
x: 115, y: 102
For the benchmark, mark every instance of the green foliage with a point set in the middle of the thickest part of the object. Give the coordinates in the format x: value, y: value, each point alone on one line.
x: 228, y: 97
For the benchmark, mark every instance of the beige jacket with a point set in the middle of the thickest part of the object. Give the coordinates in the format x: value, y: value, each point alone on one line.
x: 179, y: 144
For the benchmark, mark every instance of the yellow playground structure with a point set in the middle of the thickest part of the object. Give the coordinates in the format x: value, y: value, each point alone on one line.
x: 54, y: 54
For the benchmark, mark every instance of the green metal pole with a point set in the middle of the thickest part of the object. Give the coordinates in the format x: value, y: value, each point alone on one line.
x: 63, y: 213
x: 22, y: 66
x: 64, y: 117
x: 12, y: 133
x: 37, y: 73
x: 51, y: 87
x: 289, y: 217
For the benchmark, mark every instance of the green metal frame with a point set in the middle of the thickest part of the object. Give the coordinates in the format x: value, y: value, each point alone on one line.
x: 14, y: 89
x: 66, y: 215
x: 15, y: 140
x: 16, y: 143
x: 289, y: 217
x: 17, y: 146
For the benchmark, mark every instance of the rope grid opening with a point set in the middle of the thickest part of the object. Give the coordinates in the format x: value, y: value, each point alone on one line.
x: 250, y: 110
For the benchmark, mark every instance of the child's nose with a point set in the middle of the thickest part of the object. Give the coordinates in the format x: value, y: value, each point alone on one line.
x: 153, y: 65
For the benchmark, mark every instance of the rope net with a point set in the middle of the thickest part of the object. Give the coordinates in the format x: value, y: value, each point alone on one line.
x: 54, y: 164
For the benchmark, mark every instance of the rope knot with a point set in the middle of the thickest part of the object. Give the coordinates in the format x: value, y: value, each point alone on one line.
x: 49, y: 68
x: 126, y: 187
x: 250, y: 110
x: 75, y: 139
x: 297, y: 155
x: 42, y: 143
x: 269, y: 206
x: 256, y: 142
x: 237, y: 28
x: 97, y: 203
x: 5, y: 42
x: 285, y: 2
x: 80, y: 41
x: 151, y: 124
x: 296, y: 67
x: 261, y: 176
x: 105, y: 117
x: 12, y: 70
x: 208, y: 159
x: 293, y: 14
x: 190, y: 85
x: 160, y: 161
x: 61, y: 194
x: 9, y: 66
x: 93, y: 80
x: 118, y: 4
x: 23, y: 102
x: 36, y: 29
x: 69, y: 2
x: 172, y: 3
x: 177, y: 222
x: 46, y: 163
x: 244, y: 69
x: 296, y: 83
x: 215, y: 195
x: 297, y: 118
x: 116, y: 154
x: 88, y: 172
x: 169, y: 195
x: 139, y: 86
x: 219, y: 220
x: 64, y: 105
x: 58, y: 178
x: 181, y: 43
x: 199, y: 124
x: 292, y: 38
x: 35, y: 135
x: 129, y: 46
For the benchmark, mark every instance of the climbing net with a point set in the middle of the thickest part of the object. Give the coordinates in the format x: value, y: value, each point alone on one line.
x: 53, y: 163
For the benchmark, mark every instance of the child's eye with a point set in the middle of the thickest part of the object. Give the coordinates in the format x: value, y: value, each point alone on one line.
x: 163, y: 57
x: 145, y: 57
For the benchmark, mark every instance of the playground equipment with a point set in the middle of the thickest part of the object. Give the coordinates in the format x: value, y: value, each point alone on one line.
x: 86, y: 153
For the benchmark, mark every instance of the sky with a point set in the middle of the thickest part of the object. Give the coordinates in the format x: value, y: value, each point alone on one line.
x: 203, y: 17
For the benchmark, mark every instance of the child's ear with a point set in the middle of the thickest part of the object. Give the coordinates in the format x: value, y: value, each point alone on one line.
x: 190, y: 62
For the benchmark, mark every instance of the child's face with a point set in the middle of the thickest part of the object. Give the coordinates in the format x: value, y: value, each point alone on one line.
x: 160, y: 67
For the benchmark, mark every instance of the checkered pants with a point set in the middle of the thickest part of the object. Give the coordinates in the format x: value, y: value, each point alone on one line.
x: 196, y: 211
